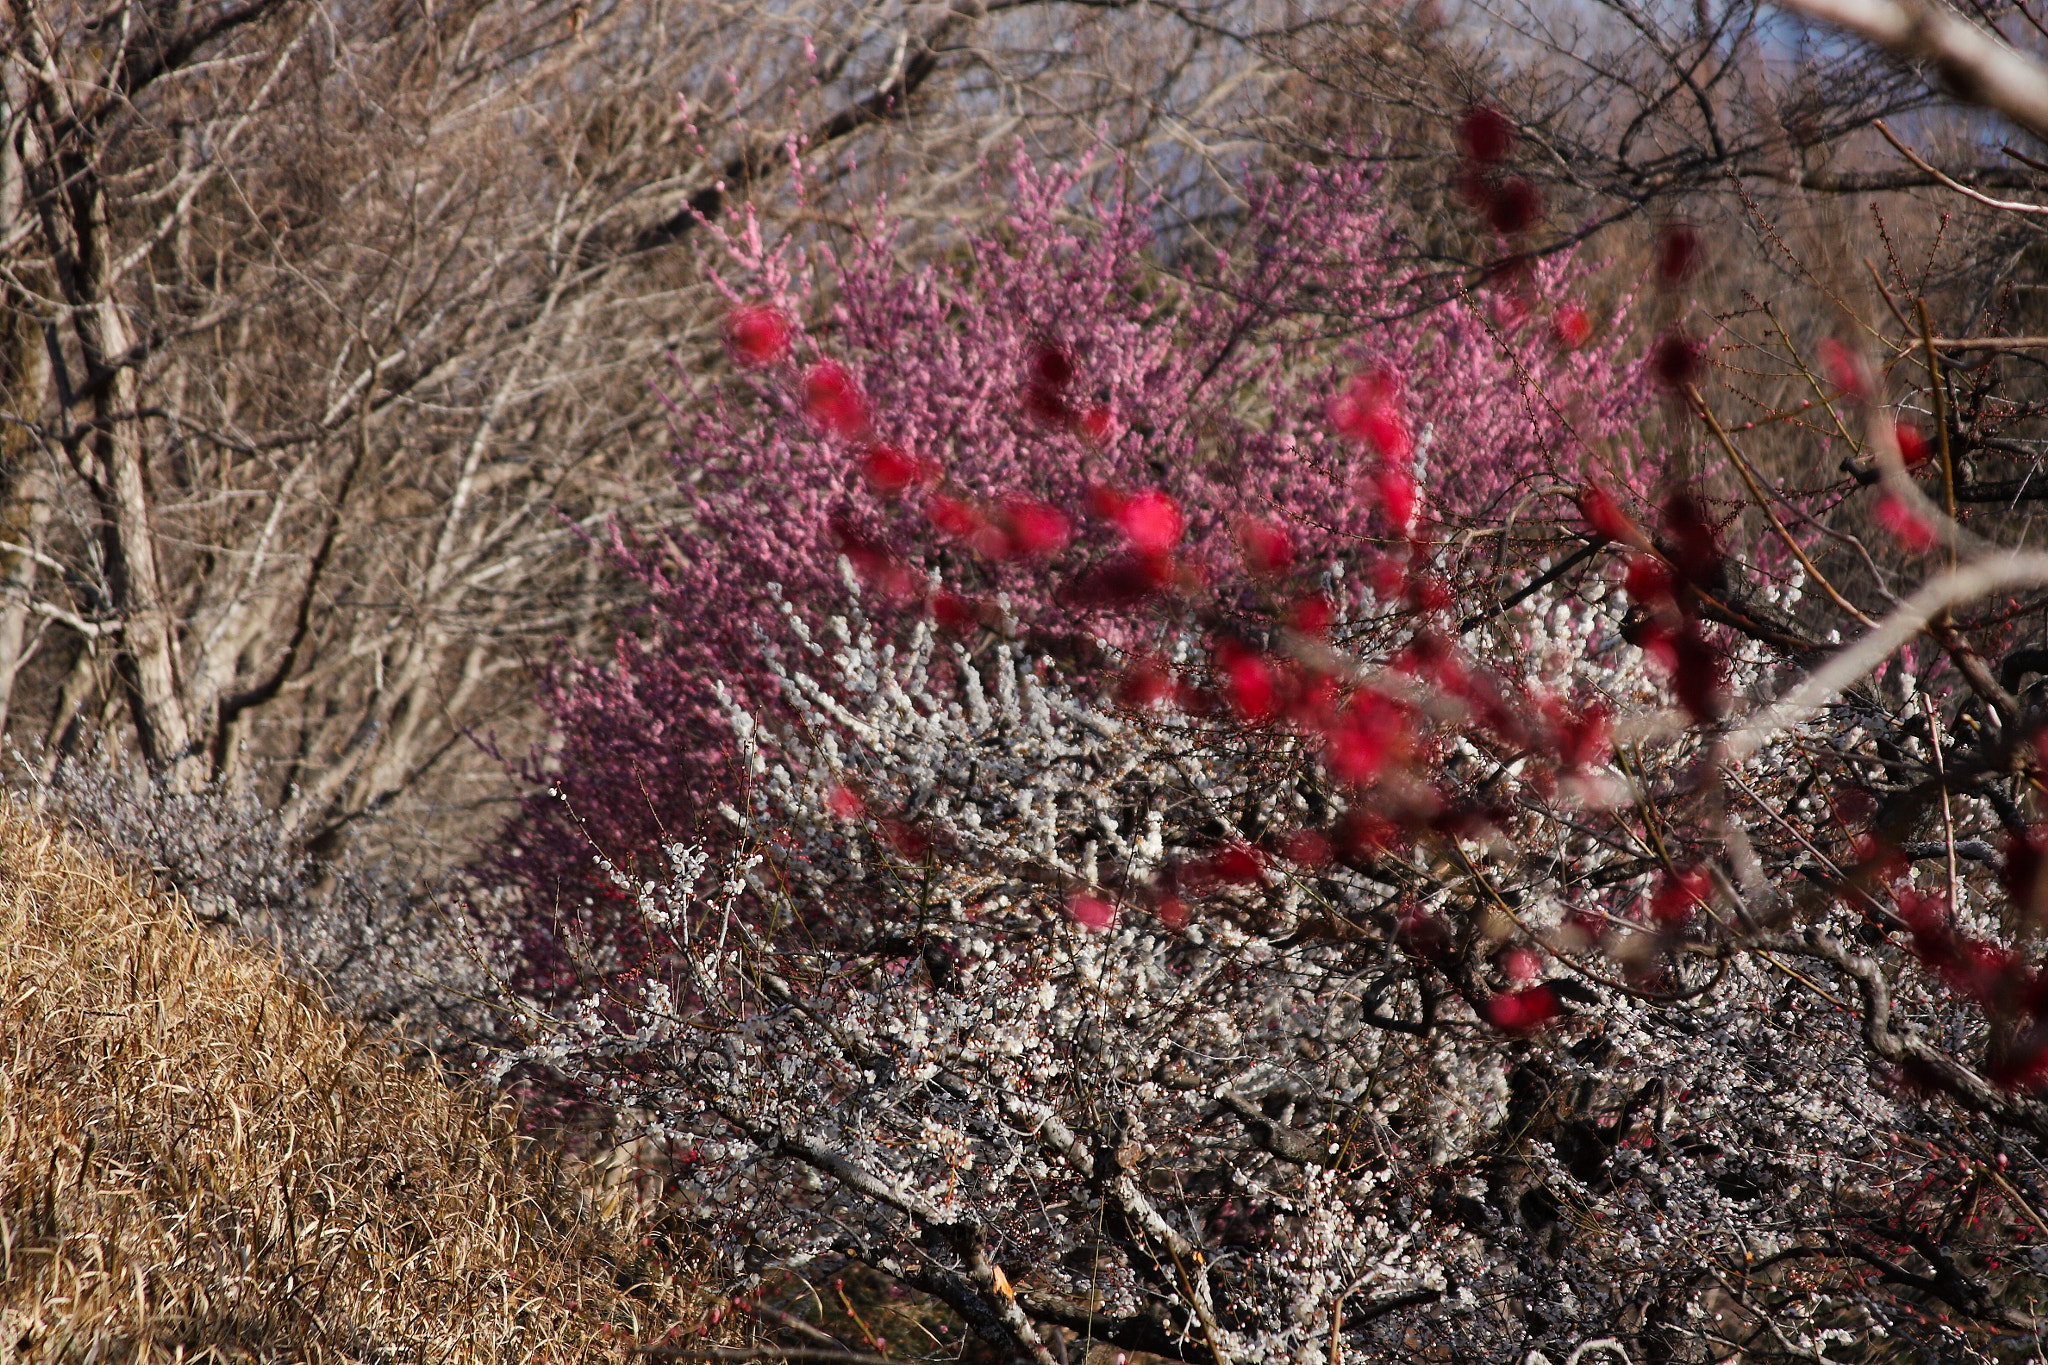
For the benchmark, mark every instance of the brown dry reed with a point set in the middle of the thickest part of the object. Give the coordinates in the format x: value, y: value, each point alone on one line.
x: 200, y: 1163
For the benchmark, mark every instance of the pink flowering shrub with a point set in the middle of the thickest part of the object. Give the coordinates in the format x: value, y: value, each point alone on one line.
x: 1052, y: 383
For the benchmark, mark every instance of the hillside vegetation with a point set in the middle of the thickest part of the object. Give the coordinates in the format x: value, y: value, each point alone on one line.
x: 198, y: 1162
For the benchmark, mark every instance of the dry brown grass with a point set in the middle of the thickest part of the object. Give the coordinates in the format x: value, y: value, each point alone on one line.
x: 198, y: 1162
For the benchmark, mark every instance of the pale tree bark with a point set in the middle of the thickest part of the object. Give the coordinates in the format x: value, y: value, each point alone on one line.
x: 1978, y: 66
x: 348, y: 318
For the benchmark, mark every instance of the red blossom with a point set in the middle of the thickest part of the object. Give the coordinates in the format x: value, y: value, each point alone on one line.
x: 757, y: 335
x: 1422, y: 933
x: 1362, y: 835
x: 1485, y: 134
x: 2024, y: 874
x: 1678, y: 359
x: 1913, y: 448
x: 1096, y: 426
x: 1046, y: 407
x: 1051, y: 366
x: 1523, y: 1011
x: 1648, y: 580
x: 1248, y: 682
x: 1313, y: 702
x: 1846, y: 370
x: 833, y: 401
x: 844, y: 802
x: 1427, y: 593
x: 1123, y: 582
x: 1696, y: 675
x: 1586, y: 926
x: 1034, y: 528
x: 1235, y: 865
x: 1587, y: 739
x: 991, y: 541
x: 1985, y: 972
x: 1367, y: 411
x: 1905, y: 523
x: 1655, y: 638
x: 1150, y: 521
x: 1364, y: 736
x: 1049, y: 371
x: 953, y: 612
x: 1676, y: 897
x: 1396, y: 494
x: 1696, y: 549
x: 1389, y: 578
x: 1513, y: 206
x: 2024, y: 1066
x: 1145, y: 684
x: 906, y: 839
x: 1604, y: 517
x: 1305, y: 847
x: 1091, y: 912
x: 870, y: 557
x: 890, y: 469
x: 950, y: 516
x: 1311, y: 614
x: 1267, y: 549
x: 1680, y: 253
x: 1570, y: 328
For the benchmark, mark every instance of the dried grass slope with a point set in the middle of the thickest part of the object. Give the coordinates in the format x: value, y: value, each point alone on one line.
x: 199, y: 1162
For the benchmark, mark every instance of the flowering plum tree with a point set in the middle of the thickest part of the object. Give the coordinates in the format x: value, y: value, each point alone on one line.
x: 992, y: 396
x: 1375, y: 898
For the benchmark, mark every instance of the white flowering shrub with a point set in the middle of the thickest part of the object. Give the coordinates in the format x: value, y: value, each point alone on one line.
x: 1118, y: 1021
